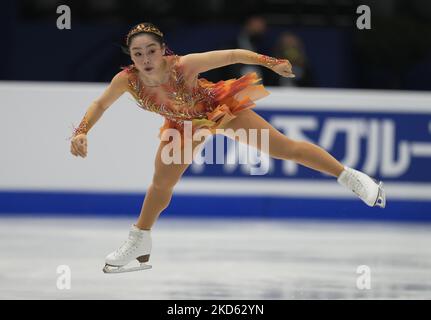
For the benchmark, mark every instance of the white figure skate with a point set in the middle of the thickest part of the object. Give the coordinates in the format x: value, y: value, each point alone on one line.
x: 137, y: 246
x: 368, y: 189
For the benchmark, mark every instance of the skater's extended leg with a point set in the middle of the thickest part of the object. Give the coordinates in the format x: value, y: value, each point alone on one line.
x: 309, y: 155
x: 282, y: 147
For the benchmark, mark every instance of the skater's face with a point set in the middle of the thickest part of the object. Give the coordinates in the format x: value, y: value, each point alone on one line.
x: 146, y: 53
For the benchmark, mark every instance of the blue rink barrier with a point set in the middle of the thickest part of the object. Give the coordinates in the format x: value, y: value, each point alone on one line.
x: 120, y: 204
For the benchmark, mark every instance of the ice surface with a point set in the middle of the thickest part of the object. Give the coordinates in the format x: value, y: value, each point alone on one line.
x: 217, y: 259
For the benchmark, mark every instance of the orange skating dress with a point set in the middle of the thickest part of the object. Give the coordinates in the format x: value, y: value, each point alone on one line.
x: 208, y: 105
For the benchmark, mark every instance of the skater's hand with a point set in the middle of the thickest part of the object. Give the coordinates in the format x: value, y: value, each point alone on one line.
x: 284, y: 69
x: 78, y: 146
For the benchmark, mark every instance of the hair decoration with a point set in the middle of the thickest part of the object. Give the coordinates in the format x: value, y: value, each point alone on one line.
x: 143, y: 28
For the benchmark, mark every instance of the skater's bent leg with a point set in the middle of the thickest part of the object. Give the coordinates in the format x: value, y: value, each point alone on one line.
x: 160, y: 191
x: 282, y: 147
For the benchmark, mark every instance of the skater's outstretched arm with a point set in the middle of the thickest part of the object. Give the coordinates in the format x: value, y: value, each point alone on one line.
x: 115, y: 89
x: 205, y: 61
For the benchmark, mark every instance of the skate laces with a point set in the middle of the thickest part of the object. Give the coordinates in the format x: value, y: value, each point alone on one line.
x: 130, y: 244
x: 356, y: 185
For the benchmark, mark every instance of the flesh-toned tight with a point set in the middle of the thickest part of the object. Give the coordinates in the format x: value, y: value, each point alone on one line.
x: 280, y: 147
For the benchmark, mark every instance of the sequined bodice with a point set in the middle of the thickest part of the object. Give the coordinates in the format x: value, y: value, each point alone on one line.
x: 180, y: 102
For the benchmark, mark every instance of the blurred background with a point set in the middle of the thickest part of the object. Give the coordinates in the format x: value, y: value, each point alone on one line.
x: 288, y: 233
x: 319, y: 36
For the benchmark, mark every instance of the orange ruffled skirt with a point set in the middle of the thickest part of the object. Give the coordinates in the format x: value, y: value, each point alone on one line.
x: 232, y: 96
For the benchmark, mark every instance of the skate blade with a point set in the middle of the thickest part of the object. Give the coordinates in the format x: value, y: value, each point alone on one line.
x: 113, y: 269
x: 381, y: 197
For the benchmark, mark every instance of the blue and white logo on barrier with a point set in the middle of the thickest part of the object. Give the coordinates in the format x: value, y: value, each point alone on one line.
x: 392, y: 147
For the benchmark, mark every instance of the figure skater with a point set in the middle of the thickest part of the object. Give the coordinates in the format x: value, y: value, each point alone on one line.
x: 170, y: 85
